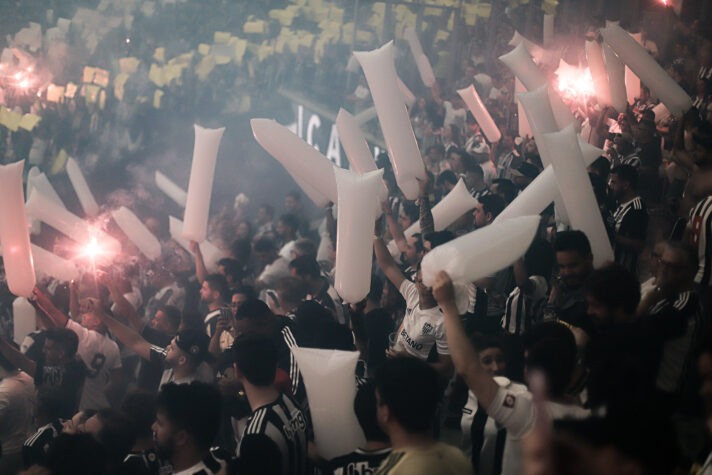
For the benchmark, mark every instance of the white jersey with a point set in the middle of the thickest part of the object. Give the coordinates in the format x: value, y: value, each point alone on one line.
x: 483, y: 439
x: 101, y: 356
x: 514, y: 409
x: 421, y: 329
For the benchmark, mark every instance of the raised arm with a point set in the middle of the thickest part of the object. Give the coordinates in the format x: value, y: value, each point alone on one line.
x: 464, y: 355
x: 16, y: 358
x: 128, y: 336
x: 200, y: 270
x: 427, y: 223
x: 124, y: 308
x: 74, y: 308
x: 386, y: 263
x: 395, y: 229
x: 54, y: 316
x: 521, y: 276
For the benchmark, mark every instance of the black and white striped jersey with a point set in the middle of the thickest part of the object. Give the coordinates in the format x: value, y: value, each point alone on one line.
x: 630, y: 220
x: 277, y: 431
x: 700, y: 225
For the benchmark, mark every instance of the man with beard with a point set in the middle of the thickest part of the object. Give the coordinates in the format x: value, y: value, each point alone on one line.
x: 630, y: 220
x: 187, y: 421
x: 575, y: 260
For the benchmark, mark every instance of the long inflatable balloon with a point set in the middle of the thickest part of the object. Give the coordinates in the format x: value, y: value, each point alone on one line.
x: 81, y: 187
x: 519, y: 61
x: 331, y: 389
x: 480, y: 112
x: 456, y: 203
x: 173, y: 191
x: 421, y: 61
x: 632, y: 82
x: 200, y: 186
x: 647, y: 69
x: 14, y: 235
x: 577, y: 191
x: 616, y: 79
x: 594, y: 57
x: 380, y: 70
x: 408, y: 96
x: 356, y: 147
x: 211, y: 253
x: 137, y: 232
x: 24, y: 319
x: 354, y: 248
x: 39, y: 207
x: 39, y: 181
x: 366, y: 115
x: 544, y: 189
x: 524, y: 129
x: 534, y: 49
x: 548, y: 36
x: 298, y: 157
x: 481, y: 252
x: 49, y: 264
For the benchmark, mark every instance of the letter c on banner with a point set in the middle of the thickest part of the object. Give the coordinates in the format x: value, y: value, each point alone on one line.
x: 314, y: 123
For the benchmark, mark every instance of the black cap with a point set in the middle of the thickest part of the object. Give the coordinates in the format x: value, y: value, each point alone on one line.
x: 195, y: 343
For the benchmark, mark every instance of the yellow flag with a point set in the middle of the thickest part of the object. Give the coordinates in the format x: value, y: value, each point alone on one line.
x: 102, y: 99
x: 88, y: 75
x: 55, y: 93
x: 157, y: 98
x: 128, y: 65
x: 91, y: 93
x: 119, y: 83
x: 205, y: 66
x: 204, y: 49
x: 442, y: 35
x: 59, y: 162
x: 221, y: 37
x: 101, y: 77
x: 71, y: 90
x: 160, y: 55
x: 240, y: 47
x: 155, y: 74
x: 257, y: 26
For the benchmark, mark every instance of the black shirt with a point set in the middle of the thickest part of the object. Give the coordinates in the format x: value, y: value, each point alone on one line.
x: 66, y: 382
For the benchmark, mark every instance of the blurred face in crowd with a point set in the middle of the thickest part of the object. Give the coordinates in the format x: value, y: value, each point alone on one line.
x: 674, y: 271
x: 456, y: 165
x: 92, y: 426
x: 207, y: 294
x: 236, y: 301
x: 243, y: 230
x: 291, y: 205
x: 160, y: 322
x: 573, y: 267
x: 53, y: 352
x: 492, y: 359
x: 263, y: 216
x: 425, y: 293
x: 174, y: 355
x: 92, y: 322
x: 165, y: 435
x: 599, y: 312
x: 618, y: 187
x: 482, y: 218
x: 404, y: 221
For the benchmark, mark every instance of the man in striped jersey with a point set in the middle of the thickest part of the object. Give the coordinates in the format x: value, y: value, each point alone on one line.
x: 699, y: 230
x: 275, y: 439
x: 187, y: 422
x: 630, y: 220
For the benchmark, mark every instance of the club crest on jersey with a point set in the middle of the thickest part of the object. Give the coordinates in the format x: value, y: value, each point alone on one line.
x: 427, y: 328
x: 509, y: 400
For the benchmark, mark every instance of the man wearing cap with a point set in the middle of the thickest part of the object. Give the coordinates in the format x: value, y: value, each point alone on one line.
x: 184, y: 358
x: 523, y: 175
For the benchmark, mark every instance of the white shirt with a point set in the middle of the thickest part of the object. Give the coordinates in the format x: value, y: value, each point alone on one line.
x: 17, y: 407
x: 274, y: 271
x: 454, y: 116
x: 515, y: 410
x: 101, y: 356
x: 421, y: 329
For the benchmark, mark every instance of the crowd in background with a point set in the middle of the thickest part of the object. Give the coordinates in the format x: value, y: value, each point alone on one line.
x: 183, y: 365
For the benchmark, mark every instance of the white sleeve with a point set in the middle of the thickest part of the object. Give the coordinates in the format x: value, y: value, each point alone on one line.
x: 410, y: 293
x: 514, y: 410
x: 541, y: 286
x: 113, y: 357
x: 82, y: 333
x: 441, y: 339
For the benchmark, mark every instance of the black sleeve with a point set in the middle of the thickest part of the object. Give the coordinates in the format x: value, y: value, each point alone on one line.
x: 635, y: 224
x: 259, y: 455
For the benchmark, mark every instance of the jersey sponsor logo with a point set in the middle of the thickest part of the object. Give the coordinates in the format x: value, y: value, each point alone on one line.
x: 296, y: 424
x: 357, y: 468
x: 509, y: 400
x: 412, y: 343
x: 97, y: 363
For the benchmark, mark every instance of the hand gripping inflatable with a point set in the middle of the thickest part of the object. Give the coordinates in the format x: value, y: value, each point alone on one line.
x: 331, y: 389
x: 24, y: 319
x: 356, y: 148
x: 647, y: 69
x: 211, y: 253
x: 79, y: 183
x: 576, y: 189
x: 456, y: 203
x: 594, y: 57
x: 478, y: 109
x: 39, y: 207
x: 200, y: 186
x: 173, y: 191
x: 421, y: 61
x: 543, y: 190
x: 137, y: 232
x: 481, y: 252
x: 354, y: 246
x: 379, y: 68
x: 14, y: 235
x: 298, y: 157
x: 49, y: 264
x: 616, y: 79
